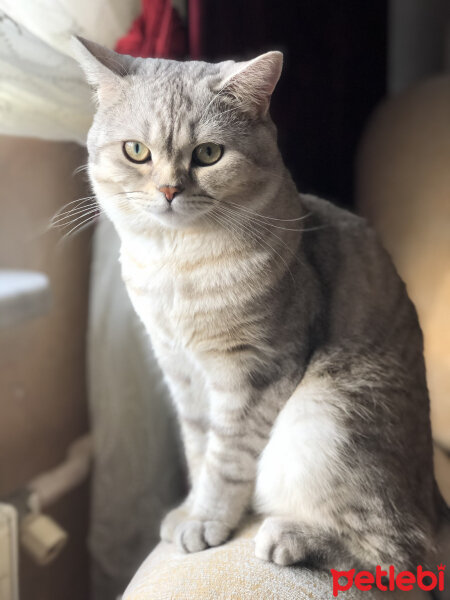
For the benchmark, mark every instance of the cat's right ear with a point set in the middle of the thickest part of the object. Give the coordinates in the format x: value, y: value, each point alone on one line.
x: 251, y: 83
x: 104, y: 68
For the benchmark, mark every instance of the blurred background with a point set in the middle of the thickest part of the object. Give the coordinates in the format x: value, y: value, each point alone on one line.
x: 89, y: 456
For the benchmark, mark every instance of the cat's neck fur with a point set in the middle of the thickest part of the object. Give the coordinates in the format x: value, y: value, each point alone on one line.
x: 276, y: 229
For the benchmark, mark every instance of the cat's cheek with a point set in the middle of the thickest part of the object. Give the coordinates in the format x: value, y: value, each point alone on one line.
x: 232, y: 174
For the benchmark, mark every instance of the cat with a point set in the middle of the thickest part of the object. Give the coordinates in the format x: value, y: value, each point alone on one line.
x: 292, y: 352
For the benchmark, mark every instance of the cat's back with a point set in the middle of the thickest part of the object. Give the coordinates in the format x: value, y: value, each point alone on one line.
x: 366, y: 297
x: 340, y: 243
x: 332, y: 220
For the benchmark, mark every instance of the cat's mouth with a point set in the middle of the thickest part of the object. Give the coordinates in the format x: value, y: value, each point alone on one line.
x: 189, y: 205
x: 182, y: 210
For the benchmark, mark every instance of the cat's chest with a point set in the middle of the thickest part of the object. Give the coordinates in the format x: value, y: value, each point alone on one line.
x: 185, y: 302
x: 157, y: 289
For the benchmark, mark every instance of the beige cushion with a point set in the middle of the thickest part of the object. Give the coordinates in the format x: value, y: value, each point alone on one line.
x: 403, y: 182
x: 232, y: 572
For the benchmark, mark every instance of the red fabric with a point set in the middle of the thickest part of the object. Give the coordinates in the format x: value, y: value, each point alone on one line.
x: 158, y: 32
x: 196, y: 22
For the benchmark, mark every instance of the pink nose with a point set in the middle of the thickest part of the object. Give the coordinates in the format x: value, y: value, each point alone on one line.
x: 169, y: 192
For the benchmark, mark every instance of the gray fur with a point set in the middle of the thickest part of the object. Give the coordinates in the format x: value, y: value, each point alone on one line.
x: 264, y: 305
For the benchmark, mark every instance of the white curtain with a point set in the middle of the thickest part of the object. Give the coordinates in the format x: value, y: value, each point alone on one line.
x: 42, y: 89
x: 137, y: 468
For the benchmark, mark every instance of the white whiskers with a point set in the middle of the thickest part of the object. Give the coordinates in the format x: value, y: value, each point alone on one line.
x: 80, y: 169
x: 234, y: 222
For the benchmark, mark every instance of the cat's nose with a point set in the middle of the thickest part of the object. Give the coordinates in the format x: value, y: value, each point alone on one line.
x: 169, y: 192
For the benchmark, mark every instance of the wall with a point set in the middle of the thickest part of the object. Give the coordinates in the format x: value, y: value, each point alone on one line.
x: 418, y: 31
x: 42, y: 361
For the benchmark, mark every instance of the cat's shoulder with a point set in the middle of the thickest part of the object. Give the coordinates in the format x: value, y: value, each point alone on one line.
x: 335, y: 235
x: 334, y: 226
x: 332, y: 221
x: 331, y: 214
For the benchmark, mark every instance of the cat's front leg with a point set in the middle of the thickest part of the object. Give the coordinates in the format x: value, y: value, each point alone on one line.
x: 194, y: 436
x: 238, y: 432
x: 187, y: 391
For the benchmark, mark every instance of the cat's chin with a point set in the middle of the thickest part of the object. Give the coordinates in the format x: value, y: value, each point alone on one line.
x: 171, y: 219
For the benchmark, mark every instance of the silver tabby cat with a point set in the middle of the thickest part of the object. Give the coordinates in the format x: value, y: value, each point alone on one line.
x: 287, y: 339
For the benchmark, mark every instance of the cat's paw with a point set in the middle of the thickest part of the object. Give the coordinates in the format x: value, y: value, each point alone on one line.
x: 194, y: 535
x: 279, y: 541
x: 172, y: 520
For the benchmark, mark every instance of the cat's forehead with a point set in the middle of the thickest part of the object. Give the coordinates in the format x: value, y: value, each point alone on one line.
x: 168, y: 99
x: 173, y: 82
x: 192, y: 70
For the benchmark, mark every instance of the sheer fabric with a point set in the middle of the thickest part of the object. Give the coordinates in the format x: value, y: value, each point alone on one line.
x: 42, y: 90
x: 137, y: 467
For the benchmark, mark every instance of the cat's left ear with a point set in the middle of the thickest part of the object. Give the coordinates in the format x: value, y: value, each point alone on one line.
x: 251, y: 83
x: 104, y: 68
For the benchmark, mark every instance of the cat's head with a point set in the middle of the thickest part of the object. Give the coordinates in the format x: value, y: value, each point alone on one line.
x: 178, y: 143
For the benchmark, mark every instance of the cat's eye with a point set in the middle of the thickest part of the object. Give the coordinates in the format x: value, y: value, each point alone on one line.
x: 136, y: 151
x: 207, y: 154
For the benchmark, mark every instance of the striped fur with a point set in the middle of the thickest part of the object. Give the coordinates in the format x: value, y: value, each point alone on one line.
x: 287, y: 339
